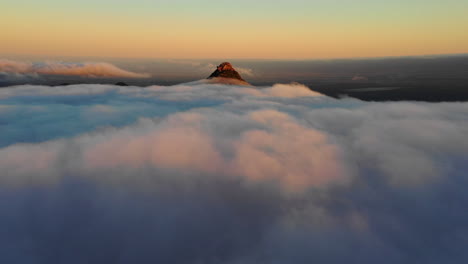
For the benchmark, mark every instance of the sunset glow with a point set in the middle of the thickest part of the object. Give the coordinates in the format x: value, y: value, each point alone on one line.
x: 204, y: 29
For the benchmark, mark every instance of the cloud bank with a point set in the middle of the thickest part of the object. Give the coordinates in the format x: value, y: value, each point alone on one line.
x: 210, y: 173
x: 89, y: 70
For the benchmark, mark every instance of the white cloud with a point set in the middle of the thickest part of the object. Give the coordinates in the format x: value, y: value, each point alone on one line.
x: 89, y: 70
x: 210, y: 67
x: 209, y: 172
x: 245, y: 71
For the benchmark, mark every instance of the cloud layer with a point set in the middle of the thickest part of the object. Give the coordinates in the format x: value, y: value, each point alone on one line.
x: 90, y: 70
x: 207, y: 173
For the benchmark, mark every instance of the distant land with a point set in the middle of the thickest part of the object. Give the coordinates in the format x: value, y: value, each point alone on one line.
x: 424, y: 78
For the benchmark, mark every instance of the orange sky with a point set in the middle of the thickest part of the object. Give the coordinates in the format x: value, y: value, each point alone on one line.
x: 382, y: 30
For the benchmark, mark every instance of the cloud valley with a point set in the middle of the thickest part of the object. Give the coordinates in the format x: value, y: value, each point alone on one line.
x: 212, y: 173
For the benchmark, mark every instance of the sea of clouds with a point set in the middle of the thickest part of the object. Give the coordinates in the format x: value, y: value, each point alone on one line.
x: 211, y: 173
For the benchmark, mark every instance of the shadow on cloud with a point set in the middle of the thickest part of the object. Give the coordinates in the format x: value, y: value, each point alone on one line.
x: 207, y: 173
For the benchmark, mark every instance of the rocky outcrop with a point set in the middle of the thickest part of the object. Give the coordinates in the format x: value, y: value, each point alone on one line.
x: 226, y: 71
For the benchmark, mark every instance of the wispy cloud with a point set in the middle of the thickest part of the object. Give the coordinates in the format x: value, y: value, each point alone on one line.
x: 359, y: 78
x: 210, y: 67
x: 88, y: 69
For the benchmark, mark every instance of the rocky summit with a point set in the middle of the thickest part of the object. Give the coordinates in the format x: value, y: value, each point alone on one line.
x: 225, y: 70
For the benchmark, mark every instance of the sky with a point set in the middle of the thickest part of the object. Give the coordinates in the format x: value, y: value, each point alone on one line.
x: 293, y: 29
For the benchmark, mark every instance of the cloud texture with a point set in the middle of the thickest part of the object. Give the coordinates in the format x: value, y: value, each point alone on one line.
x: 18, y: 69
x: 207, y: 173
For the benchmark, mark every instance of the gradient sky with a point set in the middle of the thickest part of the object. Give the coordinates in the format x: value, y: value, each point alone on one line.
x: 298, y: 29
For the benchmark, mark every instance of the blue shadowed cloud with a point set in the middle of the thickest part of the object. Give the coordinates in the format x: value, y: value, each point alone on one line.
x: 211, y: 173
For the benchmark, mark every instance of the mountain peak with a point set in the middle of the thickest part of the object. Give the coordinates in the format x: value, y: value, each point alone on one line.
x: 225, y: 66
x: 225, y: 70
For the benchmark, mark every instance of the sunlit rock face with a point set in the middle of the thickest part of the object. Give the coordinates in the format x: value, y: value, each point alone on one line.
x: 226, y: 74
